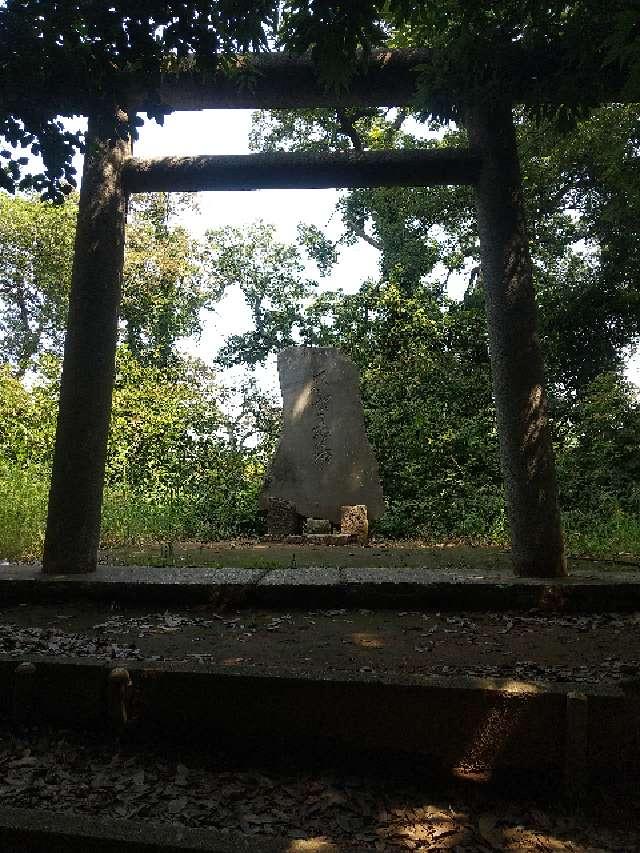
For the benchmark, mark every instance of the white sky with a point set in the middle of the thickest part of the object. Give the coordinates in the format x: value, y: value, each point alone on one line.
x: 227, y: 132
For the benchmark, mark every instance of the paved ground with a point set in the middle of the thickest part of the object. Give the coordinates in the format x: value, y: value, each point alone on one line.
x: 318, y: 809
x: 559, y: 648
x: 322, y: 575
x: 592, y: 589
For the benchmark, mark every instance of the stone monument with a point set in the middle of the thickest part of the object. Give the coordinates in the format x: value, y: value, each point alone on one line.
x: 324, y: 461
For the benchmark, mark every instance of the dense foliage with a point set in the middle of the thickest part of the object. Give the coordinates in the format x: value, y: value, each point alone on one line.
x: 77, y: 55
x: 187, y: 455
x: 186, y: 452
x: 36, y: 246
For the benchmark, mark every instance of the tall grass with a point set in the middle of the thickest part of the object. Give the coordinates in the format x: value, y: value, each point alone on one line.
x: 23, y: 510
x: 127, y: 518
x: 604, y: 533
x: 130, y: 518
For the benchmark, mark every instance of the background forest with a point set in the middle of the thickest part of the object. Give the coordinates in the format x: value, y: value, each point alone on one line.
x: 188, y: 449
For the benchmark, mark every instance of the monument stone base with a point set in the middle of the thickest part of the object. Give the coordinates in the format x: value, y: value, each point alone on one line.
x: 354, y: 521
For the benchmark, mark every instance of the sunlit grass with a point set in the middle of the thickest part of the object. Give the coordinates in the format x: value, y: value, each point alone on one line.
x: 129, y: 518
x: 23, y: 508
x: 602, y: 534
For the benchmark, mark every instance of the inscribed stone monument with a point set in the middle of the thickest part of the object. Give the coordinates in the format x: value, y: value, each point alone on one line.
x: 324, y: 460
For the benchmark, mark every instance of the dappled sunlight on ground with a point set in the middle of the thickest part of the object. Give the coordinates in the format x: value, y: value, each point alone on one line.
x: 395, y: 807
x: 511, y: 651
x: 312, y: 845
x: 367, y: 640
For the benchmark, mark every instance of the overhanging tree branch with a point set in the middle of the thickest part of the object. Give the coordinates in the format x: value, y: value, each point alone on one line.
x: 359, y: 231
x: 347, y: 125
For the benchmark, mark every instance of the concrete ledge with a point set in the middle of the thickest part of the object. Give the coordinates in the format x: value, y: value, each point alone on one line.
x: 490, y: 725
x: 308, y: 588
x: 39, y: 831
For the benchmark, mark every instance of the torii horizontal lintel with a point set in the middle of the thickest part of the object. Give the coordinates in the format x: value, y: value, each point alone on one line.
x: 261, y: 81
x: 284, y: 81
x: 302, y: 170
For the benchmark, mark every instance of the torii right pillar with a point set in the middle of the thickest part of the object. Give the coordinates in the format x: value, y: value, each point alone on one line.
x: 526, y: 451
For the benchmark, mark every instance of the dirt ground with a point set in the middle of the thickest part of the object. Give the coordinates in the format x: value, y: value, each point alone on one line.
x: 252, y: 553
x: 401, y: 809
x: 454, y: 557
x: 593, y: 648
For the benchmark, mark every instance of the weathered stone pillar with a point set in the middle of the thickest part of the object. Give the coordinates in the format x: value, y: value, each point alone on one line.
x: 516, y: 360
x: 75, y: 497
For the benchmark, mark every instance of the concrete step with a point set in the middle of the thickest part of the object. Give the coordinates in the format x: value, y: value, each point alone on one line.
x: 403, y: 588
x: 40, y: 831
x: 459, y: 723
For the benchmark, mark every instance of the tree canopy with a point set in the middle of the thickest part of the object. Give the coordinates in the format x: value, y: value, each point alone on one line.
x: 58, y: 57
x: 50, y: 49
x: 581, y: 193
x: 36, y: 251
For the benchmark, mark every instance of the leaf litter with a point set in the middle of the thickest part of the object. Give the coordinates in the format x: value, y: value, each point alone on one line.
x: 533, y: 646
x: 79, y: 773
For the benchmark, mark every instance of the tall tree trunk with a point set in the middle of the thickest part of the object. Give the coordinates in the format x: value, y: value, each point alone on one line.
x: 75, y: 498
x: 526, y: 451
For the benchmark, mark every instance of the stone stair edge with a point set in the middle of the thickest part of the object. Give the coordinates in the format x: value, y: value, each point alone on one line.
x: 44, y: 831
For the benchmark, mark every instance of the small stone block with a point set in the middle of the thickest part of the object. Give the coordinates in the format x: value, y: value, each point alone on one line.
x: 354, y: 521
x: 282, y: 518
x: 329, y: 538
x: 317, y: 525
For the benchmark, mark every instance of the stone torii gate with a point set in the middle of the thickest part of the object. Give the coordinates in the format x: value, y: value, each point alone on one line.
x: 490, y: 164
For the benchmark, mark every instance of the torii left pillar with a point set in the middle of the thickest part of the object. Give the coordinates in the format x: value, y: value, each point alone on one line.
x: 75, y: 498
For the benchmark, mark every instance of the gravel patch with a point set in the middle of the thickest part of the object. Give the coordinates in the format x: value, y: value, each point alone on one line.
x: 52, y: 642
